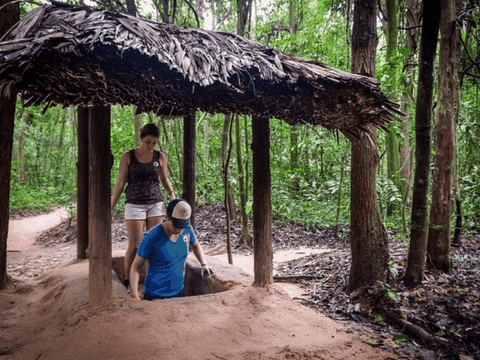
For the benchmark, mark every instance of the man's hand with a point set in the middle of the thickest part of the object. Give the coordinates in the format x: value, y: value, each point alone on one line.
x: 207, y: 269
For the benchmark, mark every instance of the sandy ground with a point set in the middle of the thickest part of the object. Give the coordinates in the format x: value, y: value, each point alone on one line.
x: 22, y: 233
x: 50, y: 318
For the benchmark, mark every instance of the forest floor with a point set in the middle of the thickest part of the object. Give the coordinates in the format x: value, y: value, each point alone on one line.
x: 304, y: 315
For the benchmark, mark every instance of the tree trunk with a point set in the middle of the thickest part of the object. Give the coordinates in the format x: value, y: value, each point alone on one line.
x: 189, y: 143
x: 7, y: 119
x: 21, y: 142
x: 393, y: 156
x: 439, y: 231
x: 9, y: 15
x: 456, y: 175
x: 82, y: 183
x: 246, y: 238
x: 368, y: 236
x: 411, y: 40
x: 244, y: 7
x: 423, y: 114
x: 137, y: 123
x: 226, y: 185
x: 223, y: 157
x: 131, y: 7
x: 262, y: 207
x: 100, y: 218
x: 165, y: 17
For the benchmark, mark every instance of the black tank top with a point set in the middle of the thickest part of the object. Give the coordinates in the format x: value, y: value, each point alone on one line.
x: 143, y: 186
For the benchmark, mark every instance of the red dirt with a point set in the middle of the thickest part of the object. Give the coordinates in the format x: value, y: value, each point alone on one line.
x: 49, y: 318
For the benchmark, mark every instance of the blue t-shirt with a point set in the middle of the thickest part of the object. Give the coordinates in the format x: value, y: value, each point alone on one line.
x: 166, y: 270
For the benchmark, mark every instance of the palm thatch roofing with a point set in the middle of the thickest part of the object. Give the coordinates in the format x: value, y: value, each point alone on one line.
x: 62, y: 54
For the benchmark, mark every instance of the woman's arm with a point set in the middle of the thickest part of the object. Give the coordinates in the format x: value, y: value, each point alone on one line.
x: 122, y: 179
x: 163, y: 177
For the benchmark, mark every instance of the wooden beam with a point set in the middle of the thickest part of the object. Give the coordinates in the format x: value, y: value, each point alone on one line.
x: 82, y: 183
x: 189, y: 140
x: 7, y: 121
x: 100, y: 215
x: 262, y: 207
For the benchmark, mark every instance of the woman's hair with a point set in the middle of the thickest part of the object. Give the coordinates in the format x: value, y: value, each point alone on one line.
x: 149, y: 129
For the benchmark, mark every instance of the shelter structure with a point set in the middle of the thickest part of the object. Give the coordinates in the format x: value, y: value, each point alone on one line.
x: 69, y: 55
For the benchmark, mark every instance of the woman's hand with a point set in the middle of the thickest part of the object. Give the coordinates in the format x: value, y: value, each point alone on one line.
x: 171, y: 195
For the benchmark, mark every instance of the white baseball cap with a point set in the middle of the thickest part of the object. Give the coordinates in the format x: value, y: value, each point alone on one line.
x: 179, y: 212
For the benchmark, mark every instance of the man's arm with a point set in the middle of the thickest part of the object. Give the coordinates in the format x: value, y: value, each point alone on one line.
x: 135, y: 275
x: 197, y: 250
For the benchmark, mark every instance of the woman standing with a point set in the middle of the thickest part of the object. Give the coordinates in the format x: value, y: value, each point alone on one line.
x: 142, y: 169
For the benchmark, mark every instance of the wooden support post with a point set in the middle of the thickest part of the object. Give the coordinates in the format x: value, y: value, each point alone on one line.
x: 262, y: 207
x: 100, y: 215
x: 82, y: 183
x: 7, y: 121
x: 189, y: 140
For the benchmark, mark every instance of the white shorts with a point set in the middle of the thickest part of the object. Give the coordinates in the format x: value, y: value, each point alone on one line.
x: 143, y: 212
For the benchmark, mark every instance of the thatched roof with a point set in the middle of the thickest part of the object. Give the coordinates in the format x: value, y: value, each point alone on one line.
x: 70, y: 55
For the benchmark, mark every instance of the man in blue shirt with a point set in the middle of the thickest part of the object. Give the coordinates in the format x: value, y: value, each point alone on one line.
x: 165, y: 246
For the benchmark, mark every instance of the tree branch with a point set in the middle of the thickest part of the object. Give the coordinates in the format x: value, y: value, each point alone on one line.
x: 475, y: 63
x: 194, y: 12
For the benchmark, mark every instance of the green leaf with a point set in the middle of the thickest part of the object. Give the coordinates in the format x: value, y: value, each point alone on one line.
x: 377, y: 319
x: 370, y: 342
x: 399, y: 338
x: 392, y: 295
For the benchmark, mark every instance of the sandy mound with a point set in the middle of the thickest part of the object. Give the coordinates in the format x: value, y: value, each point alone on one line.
x: 51, y: 319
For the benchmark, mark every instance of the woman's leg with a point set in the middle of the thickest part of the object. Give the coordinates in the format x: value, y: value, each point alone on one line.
x: 151, y: 222
x: 155, y: 215
x: 135, y: 233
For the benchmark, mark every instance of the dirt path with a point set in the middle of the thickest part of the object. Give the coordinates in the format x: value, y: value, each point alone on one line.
x: 49, y: 318
x: 246, y: 263
x: 22, y: 233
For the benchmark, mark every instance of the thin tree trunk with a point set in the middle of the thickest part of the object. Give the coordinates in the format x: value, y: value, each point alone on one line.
x: 247, y: 158
x: 456, y: 166
x: 177, y: 140
x: 223, y: 155
x: 137, y: 121
x: 339, y: 193
x: 412, y: 19
x: 82, y: 183
x: 439, y: 231
x: 63, y: 120
x: 368, y: 236
x: 189, y: 142
x: 227, y: 192
x: 21, y: 142
x: 246, y: 238
x: 393, y: 158
x: 244, y: 9
x: 294, y: 157
x: 423, y: 114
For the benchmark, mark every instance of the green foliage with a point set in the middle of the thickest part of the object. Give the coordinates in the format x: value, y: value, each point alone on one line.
x: 399, y: 338
x: 41, y: 199
x: 304, y: 172
x: 46, y: 173
x: 377, y: 319
x: 387, y: 291
x: 393, y: 270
